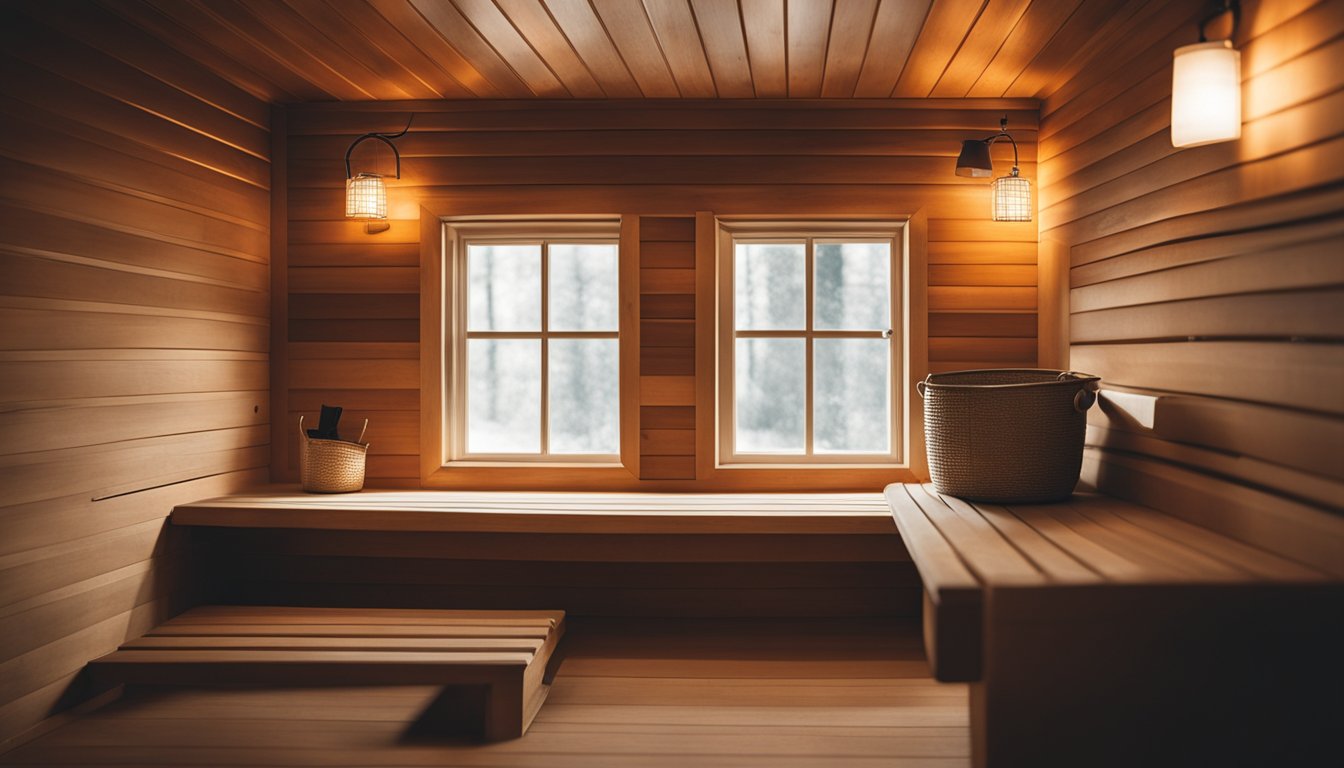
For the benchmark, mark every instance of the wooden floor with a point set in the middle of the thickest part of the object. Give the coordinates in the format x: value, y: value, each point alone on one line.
x: 760, y: 693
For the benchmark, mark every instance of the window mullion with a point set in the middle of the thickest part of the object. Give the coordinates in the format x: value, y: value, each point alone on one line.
x: 807, y: 330
x: 545, y: 349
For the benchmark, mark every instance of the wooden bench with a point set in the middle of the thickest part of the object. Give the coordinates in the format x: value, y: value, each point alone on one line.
x: 1098, y: 632
x: 497, y: 666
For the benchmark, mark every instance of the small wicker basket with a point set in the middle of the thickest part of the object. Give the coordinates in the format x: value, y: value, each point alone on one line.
x: 1006, y: 435
x: 331, y: 466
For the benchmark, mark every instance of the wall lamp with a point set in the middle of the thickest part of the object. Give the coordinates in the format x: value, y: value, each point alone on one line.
x: 1011, y: 194
x: 1206, y: 86
x: 365, y: 193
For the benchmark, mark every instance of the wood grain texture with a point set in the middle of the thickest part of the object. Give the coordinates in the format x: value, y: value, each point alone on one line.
x: 397, y: 49
x: 1204, y: 278
x: 135, y: 310
x: 1120, y: 573
x: 844, y: 693
x: 225, y: 645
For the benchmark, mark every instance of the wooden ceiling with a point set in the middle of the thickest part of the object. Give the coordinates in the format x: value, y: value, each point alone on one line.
x: 360, y: 50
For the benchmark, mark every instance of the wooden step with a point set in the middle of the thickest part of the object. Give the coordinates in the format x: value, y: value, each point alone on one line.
x: 496, y: 666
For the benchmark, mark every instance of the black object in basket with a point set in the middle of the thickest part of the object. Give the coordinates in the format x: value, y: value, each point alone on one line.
x: 1012, y: 435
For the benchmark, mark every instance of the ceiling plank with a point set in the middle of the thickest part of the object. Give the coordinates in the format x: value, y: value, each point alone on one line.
x: 1086, y: 25
x: 948, y: 23
x: 181, y: 24
x: 353, y: 45
x: 579, y: 22
x: 1036, y: 27
x: 808, y: 28
x: 276, y: 43
x: 632, y: 32
x: 426, y: 39
x: 895, y: 29
x: 725, y: 46
x: 395, y: 46
x: 287, y: 35
x: 538, y: 28
x: 682, y: 47
x: 453, y: 28
x: 851, y: 31
x: 763, y: 22
x: 997, y: 21
x: 494, y: 27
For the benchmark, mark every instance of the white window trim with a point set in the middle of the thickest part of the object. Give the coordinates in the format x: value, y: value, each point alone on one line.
x: 745, y: 230
x: 458, y: 235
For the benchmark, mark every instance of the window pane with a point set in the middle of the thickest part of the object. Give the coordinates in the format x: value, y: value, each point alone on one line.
x: 585, y: 396
x: 851, y: 396
x: 771, y: 380
x: 583, y: 287
x: 769, y: 286
x: 504, y: 287
x: 503, y: 396
x: 853, y: 286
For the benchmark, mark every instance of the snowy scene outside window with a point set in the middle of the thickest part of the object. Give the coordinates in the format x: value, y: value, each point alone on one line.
x: 810, y: 361
x: 541, y: 362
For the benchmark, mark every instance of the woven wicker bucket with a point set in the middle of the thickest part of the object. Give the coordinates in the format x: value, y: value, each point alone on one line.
x: 1007, y: 435
x: 331, y: 466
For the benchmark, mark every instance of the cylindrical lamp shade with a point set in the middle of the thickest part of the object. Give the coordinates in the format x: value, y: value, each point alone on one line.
x: 1012, y: 199
x: 365, y: 197
x: 1205, y: 94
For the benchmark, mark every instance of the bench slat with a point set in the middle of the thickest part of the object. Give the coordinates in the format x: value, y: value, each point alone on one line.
x: 243, y: 614
x: 1057, y: 564
x: 979, y: 545
x: 1258, y: 563
x: 480, y: 644
x: 344, y: 630
x: 333, y: 658
x: 1173, y: 553
x: 1100, y: 559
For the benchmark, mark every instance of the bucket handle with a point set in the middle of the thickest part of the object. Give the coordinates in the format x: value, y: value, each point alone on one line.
x: 921, y: 385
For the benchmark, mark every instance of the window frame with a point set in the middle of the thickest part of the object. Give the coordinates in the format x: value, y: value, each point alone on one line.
x: 443, y: 460
x: 731, y: 231
x: 458, y: 397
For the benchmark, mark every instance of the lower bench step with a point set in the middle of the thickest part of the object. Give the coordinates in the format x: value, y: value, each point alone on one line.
x: 496, y: 666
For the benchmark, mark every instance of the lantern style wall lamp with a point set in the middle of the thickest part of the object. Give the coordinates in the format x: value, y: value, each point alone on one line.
x: 1011, y: 194
x: 365, y: 193
x: 1206, y: 86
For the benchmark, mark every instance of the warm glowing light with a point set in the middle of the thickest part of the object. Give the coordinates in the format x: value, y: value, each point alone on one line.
x: 1205, y: 94
x: 366, y: 197
x: 1011, y: 198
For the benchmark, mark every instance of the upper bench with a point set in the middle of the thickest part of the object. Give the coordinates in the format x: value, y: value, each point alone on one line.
x: 519, y: 512
x: 966, y: 550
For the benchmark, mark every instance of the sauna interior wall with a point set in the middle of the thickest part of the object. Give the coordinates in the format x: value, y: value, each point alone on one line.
x: 1210, y: 276
x: 353, y: 305
x: 134, y: 315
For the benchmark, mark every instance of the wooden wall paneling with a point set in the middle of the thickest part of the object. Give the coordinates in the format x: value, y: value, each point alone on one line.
x: 631, y: 341
x: 1205, y: 279
x: 348, y: 287
x: 135, y: 306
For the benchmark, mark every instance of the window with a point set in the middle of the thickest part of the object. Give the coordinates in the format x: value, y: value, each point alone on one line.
x: 534, y: 347
x: 810, y: 347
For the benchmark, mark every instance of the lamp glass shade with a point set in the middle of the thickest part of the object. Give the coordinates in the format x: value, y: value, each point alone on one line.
x: 365, y: 197
x: 974, y: 160
x: 1011, y: 198
x: 1205, y: 94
